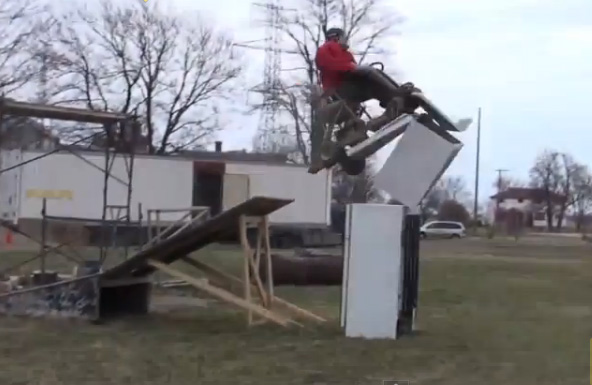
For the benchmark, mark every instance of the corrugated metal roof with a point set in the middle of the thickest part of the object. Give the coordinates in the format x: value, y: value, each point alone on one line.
x: 235, y: 156
x: 223, y: 156
x: 533, y: 194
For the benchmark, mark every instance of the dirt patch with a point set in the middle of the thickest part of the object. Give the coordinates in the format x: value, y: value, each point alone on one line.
x: 168, y: 303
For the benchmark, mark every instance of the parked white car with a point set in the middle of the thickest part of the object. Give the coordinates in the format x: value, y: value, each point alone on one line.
x: 443, y: 229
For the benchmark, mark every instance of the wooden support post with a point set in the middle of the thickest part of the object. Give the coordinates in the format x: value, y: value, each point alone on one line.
x: 251, y: 262
x: 222, y: 294
x: 264, y: 232
x: 229, y: 288
x: 235, y: 285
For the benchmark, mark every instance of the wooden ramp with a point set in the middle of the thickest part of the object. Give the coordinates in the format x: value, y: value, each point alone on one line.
x: 248, y: 292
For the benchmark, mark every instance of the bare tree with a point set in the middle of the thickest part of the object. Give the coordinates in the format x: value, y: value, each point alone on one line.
x: 566, y: 185
x: 22, y: 22
x: 448, y: 188
x: 452, y: 210
x: 454, y: 188
x: 570, y: 172
x: 582, y: 196
x: 507, y: 182
x: 546, y: 174
x: 173, y: 70
x: 367, y: 24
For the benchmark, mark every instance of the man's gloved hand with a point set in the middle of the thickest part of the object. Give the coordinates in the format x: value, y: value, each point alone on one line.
x: 410, y: 87
x: 363, y: 69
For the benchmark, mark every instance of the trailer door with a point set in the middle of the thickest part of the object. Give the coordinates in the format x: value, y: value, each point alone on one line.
x: 235, y: 190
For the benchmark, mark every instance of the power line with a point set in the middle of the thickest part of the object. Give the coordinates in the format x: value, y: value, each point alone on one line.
x: 500, y: 172
x: 271, y: 73
x: 476, y: 199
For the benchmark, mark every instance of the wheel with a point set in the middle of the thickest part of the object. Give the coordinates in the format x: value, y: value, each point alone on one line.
x: 455, y: 236
x: 422, y: 235
x: 351, y: 167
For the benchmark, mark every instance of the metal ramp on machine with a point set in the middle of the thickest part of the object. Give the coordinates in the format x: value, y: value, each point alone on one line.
x: 433, y: 120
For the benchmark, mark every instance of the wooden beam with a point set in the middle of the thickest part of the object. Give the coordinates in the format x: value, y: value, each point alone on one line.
x: 222, y: 294
x: 265, y: 237
x: 124, y: 281
x: 234, y: 283
x: 36, y: 110
x: 252, y: 259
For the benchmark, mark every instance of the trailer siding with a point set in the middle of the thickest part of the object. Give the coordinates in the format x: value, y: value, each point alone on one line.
x: 78, y: 186
x: 312, y: 193
x: 158, y: 182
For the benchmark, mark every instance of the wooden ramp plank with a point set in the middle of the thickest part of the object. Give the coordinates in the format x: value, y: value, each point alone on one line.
x: 234, y: 283
x: 192, y: 239
x: 222, y: 294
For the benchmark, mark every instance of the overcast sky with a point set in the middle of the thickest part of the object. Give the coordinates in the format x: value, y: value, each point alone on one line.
x: 525, y: 62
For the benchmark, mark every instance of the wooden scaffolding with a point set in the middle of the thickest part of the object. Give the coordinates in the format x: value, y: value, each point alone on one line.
x: 250, y: 292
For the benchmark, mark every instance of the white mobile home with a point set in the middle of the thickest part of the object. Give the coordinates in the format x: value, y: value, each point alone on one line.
x: 74, y: 187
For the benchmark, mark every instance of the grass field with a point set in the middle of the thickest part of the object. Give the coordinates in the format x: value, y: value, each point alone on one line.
x: 491, y: 312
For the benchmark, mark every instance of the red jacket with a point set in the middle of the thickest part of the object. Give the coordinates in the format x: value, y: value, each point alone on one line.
x: 333, y: 61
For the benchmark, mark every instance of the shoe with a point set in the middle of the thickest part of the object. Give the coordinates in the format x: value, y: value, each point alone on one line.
x: 352, y: 137
x: 314, y: 168
x: 379, y: 122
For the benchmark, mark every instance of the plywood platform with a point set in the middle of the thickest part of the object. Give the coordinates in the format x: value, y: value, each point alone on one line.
x: 192, y: 239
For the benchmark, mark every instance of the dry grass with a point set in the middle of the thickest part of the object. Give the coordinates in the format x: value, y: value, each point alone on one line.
x: 491, y: 312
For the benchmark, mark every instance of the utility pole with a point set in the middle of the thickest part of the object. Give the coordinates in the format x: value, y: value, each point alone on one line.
x: 271, y: 87
x: 271, y: 75
x: 476, y: 198
x: 500, y: 172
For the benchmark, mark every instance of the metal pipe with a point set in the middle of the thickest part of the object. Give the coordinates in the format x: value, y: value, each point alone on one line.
x: 43, y: 234
x: 477, y: 159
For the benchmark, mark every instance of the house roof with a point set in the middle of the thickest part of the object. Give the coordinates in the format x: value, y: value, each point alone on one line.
x: 528, y: 193
x: 24, y: 132
x: 213, y: 156
x: 235, y: 156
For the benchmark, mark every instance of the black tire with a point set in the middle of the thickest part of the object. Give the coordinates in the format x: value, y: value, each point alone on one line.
x: 455, y: 236
x: 351, y: 167
x: 422, y: 235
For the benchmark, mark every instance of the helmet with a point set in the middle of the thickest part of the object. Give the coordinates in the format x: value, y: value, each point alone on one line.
x: 334, y: 32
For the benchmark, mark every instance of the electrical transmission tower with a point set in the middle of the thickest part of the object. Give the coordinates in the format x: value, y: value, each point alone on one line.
x: 271, y: 86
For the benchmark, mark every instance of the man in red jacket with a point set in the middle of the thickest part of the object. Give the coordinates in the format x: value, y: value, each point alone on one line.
x: 334, y: 60
x: 347, y: 85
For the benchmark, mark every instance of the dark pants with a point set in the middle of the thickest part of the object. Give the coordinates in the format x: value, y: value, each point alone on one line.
x: 359, y: 87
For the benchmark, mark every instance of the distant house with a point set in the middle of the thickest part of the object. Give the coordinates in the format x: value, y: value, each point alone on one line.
x: 529, y: 203
x: 27, y: 134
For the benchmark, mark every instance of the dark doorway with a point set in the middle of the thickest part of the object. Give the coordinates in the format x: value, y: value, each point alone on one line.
x: 208, y: 180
